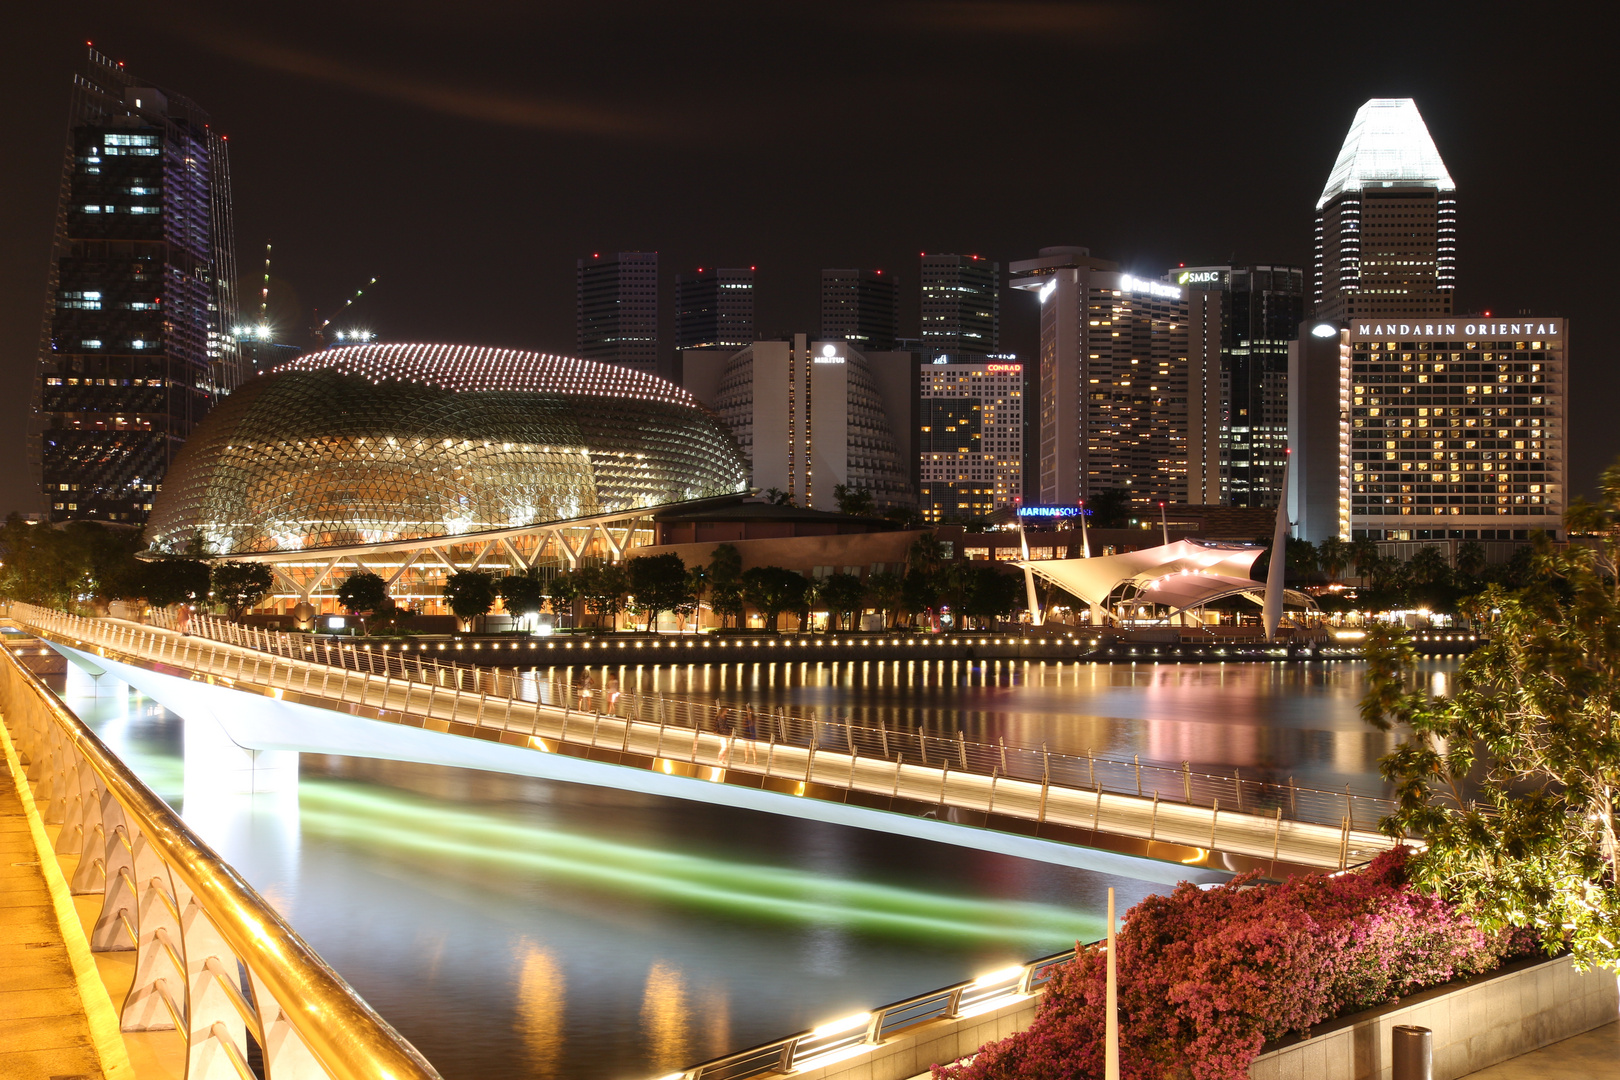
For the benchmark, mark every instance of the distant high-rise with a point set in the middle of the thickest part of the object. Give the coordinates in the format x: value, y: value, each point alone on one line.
x: 617, y: 317
x: 1129, y: 383
x: 860, y: 307
x: 1386, y: 224
x: 961, y: 305
x: 137, y: 344
x: 714, y: 308
x: 970, y: 440
x: 1254, y: 311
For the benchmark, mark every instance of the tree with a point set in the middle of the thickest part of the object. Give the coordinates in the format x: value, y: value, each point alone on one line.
x: 854, y: 500
x: 561, y: 592
x: 240, y: 585
x: 989, y: 592
x: 470, y: 594
x: 522, y: 594
x: 907, y: 517
x: 658, y: 583
x: 602, y: 588
x: 165, y: 582
x: 843, y: 594
x: 773, y: 590
x: 1363, y: 554
x: 1110, y: 508
x: 1471, y: 558
x: 887, y: 590
x: 725, y: 583
x: 1511, y: 782
x: 1333, y: 555
x: 919, y: 592
x: 365, y: 594
x: 777, y: 497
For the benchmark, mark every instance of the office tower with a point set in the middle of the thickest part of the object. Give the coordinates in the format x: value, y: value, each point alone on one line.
x: 137, y: 346
x: 1386, y: 224
x: 811, y: 415
x: 1256, y: 312
x: 714, y: 308
x: 861, y: 307
x: 1129, y: 398
x: 970, y: 444
x: 1429, y: 429
x: 961, y: 305
x: 617, y: 316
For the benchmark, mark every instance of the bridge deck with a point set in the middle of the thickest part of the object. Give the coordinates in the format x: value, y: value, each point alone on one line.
x: 1213, y: 836
x: 45, y: 1026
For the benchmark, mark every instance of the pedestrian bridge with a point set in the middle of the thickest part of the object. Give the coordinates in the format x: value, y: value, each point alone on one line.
x: 276, y: 695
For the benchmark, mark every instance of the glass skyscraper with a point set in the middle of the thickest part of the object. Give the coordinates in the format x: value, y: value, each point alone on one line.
x: 136, y: 346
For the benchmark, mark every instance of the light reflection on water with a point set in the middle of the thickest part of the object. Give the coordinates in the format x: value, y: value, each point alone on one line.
x: 516, y: 927
x: 1271, y: 720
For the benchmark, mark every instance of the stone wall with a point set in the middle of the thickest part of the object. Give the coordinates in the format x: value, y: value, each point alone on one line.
x: 1485, y: 1020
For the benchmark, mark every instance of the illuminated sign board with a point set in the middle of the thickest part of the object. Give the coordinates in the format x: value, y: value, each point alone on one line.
x: 1201, y: 277
x: 1004, y: 367
x: 1130, y: 284
x: 829, y: 355
x: 1324, y: 330
x: 1051, y: 511
x: 1521, y: 328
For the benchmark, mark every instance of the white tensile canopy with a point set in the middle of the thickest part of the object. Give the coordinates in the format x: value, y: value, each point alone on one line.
x: 1179, y: 576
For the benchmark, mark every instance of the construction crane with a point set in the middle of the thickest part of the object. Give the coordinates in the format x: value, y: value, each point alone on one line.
x: 320, y: 331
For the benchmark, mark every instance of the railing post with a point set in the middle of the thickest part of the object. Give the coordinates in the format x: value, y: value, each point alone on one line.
x: 1186, y: 782
x: 1136, y: 759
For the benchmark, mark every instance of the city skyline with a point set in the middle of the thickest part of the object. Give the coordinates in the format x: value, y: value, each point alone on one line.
x: 483, y: 266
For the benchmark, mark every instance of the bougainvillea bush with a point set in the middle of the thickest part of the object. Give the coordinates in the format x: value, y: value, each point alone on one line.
x: 1208, y: 977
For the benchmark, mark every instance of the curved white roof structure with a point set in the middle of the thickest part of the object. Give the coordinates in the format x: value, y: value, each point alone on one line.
x: 1178, y: 576
x: 1388, y: 143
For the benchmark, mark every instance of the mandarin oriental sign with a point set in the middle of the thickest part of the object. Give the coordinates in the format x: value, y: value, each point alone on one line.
x: 1521, y: 328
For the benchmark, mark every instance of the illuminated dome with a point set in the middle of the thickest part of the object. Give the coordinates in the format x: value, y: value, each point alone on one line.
x: 376, y: 443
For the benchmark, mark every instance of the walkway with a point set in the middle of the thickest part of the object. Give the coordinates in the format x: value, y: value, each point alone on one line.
x: 44, y: 1029
x: 1592, y: 1056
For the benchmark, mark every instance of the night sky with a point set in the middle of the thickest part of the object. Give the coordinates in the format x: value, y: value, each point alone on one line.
x: 467, y: 153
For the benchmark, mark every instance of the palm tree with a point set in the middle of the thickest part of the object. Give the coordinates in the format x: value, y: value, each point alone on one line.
x: 1364, y: 554
x: 1332, y: 555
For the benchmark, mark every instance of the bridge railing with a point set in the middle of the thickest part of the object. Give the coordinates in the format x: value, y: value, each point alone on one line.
x: 846, y: 1036
x: 213, y: 961
x: 953, y: 753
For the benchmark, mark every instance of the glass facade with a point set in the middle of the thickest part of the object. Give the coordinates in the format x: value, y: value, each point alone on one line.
x: 136, y: 347
x: 377, y: 443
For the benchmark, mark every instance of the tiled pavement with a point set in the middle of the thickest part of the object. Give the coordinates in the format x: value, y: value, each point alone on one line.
x: 1592, y: 1056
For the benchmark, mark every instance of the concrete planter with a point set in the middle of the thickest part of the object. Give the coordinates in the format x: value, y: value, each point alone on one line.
x: 1477, y: 1023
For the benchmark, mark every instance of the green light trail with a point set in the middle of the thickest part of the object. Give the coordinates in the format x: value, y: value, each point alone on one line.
x: 390, y: 823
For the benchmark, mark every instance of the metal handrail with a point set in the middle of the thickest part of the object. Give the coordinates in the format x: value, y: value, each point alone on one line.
x: 802, y: 1050
x: 346, y: 1036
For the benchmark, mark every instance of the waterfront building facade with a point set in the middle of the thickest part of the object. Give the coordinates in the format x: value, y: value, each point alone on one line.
x: 1428, y: 429
x: 617, y: 314
x: 137, y: 345
x: 813, y: 415
x: 714, y: 308
x: 961, y: 305
x: 970, y: 439
x: 861, y: 307
x: 1386, y: 223
x: 1256, y: 311
x: 1129, y: 395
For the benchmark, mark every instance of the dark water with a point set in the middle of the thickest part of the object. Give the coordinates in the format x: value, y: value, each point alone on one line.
x: 1271, y: 720
x: 512, y: 927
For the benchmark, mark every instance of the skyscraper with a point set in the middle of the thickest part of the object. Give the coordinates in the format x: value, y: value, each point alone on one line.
x: 1386, y: 224
x: 617, y: 316
x: 1129, y: 397
x: 1256, y: 312
x: 860, y: 307
x: 714, y: 308
x: 961, y: 305
x: 137, y: 344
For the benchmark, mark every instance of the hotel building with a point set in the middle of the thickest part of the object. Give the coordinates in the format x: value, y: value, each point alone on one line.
x: 1129, y: 382
x: 970, y: 439
x: 617, y: 313
x: 1419, y: 429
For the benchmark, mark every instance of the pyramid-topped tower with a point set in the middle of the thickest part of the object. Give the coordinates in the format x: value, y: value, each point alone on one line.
x: 1386, y: 224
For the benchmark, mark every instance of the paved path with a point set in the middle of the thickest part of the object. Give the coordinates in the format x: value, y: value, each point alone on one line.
x: 43, y: 1028
x: 1592, y: 1056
